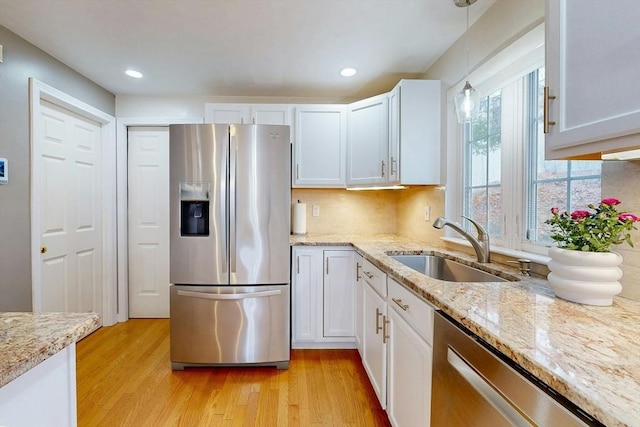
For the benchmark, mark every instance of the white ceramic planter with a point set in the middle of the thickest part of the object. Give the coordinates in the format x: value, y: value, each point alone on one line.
x: 585, y: 277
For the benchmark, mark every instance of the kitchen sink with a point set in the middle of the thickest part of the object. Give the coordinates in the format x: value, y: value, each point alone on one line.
x: 445, y: 269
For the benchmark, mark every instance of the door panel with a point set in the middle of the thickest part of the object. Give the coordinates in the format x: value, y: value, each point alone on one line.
x: 148, y: 222
x: 199, y: 158
x: 71, y: 218
x: 260, y: 208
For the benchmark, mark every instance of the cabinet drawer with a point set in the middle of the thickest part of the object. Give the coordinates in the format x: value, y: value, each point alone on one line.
x: 375, y: 277
x: 418, y: 313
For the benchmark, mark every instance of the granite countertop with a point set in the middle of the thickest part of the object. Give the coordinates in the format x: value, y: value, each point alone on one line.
x: 591, y: 355
x: 27, y: 339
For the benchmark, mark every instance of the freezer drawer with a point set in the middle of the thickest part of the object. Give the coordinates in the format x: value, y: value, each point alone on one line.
x: 229, y: 325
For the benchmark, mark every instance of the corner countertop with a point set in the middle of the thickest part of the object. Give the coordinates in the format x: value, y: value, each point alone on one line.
x: 27, y: 339
x: 590, y: 355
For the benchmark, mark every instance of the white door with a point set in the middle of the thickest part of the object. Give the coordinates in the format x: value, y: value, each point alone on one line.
x: 148, y: 221
x: 71, y: 213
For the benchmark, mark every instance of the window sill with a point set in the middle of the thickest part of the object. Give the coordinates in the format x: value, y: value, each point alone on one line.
x: 537, y: 258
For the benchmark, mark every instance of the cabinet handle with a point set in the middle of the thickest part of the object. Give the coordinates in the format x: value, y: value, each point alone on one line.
x: 383, y: 168
x: 378, y: 314
x: 394, y: 166
x: 327, y: 266
x: 298, y: 264
x: 369, y: 275
x: 545, y: 114
x: 358, y: 267
x: 297, y: 171
x: 398, y: 301
x: 385, y: 330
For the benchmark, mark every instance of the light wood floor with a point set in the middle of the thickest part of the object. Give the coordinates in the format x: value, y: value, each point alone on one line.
x: 124, y: 378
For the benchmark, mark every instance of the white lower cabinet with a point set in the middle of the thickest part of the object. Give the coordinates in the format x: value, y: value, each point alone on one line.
x: 323, y: 297
x: 338, y: 294
x: 359, y: 295
x: 374, y: 357
x: 43, y: 396
x: 410, y: 357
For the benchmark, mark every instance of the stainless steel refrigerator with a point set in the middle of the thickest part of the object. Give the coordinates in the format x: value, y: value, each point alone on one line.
x: 229, y: 245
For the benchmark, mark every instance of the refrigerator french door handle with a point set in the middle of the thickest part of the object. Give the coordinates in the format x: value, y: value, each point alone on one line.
x: 224, y: 202
x: 233, y: 177
x: 245, y: 295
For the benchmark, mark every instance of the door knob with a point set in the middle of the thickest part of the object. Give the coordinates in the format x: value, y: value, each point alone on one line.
x: 43, y: 249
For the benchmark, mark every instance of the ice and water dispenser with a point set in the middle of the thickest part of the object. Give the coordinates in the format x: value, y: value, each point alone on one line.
x: 194, y: 208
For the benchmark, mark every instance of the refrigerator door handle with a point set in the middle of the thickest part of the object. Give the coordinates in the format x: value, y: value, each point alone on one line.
x: 233, y: 178
x: 224, y: 202
x: 244, y: 295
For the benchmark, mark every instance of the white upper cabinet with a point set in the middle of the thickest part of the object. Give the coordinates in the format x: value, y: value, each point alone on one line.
x: 592, y: 69
x: 368, y: 145
x: 415, y: 132
x: 227, y: 113
x: 319, y: 146
x: 271, y: 114
x: 259, y: 114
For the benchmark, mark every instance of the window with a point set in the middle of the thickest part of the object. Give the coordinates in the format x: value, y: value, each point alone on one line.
x: 505, y: 176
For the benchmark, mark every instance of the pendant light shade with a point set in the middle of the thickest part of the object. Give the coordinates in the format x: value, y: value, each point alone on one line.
x: 466, y: 101
x: 466, y: 104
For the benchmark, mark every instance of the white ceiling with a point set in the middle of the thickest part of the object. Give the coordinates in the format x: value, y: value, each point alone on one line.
x: 242, y: 47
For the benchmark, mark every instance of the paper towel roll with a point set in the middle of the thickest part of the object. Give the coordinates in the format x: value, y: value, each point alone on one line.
x: 300, y: 218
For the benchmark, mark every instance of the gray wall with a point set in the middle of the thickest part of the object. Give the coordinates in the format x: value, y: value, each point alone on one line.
x: 21, y: 61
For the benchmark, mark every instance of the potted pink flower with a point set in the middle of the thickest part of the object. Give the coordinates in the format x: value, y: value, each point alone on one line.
x: 593, y: 230
x: 583, y: 268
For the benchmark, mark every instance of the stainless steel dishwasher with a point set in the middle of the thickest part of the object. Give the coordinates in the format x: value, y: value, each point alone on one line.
x: 473, y: 387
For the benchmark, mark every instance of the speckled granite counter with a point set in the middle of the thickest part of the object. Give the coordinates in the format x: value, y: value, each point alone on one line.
x: 591, y: 355
x: 27, y: 339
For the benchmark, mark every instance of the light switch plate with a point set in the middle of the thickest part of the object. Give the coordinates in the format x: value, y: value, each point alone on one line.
x: 315, y: 211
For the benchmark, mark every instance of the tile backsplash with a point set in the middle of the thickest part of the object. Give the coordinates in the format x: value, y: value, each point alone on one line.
x: 381, y: 211
x: 343, y: 211
x: 620, y: 180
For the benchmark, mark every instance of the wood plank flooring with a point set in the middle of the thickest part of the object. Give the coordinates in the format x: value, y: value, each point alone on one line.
x: 124, y: 378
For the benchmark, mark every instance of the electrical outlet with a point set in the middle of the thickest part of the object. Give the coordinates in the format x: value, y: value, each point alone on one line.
x: 427, y: 213
x: 315, y: 211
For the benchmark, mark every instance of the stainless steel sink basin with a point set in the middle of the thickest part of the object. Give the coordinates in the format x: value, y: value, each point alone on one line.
x: 445, y: 269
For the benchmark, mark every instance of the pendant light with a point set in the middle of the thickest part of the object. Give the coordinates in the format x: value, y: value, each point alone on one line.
x: 466, y: 101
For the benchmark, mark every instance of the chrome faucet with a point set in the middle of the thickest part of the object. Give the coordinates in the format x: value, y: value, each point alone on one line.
x: 480, y: 244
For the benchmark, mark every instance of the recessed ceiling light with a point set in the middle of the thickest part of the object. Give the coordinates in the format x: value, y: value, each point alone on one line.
x: 348, y: 72
x: 133, y: 73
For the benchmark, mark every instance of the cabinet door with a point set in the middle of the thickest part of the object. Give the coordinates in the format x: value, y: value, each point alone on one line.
x: 319, y: 146
x: 409, y: 397
x: 359, y: 295
x: 375, y: 349
x: 394, y: 135
x: 592, y: 68
x: 417, y: 124
x: 368, y: 144
x: 306, y: 292
x: 271, y: 114
x: 339, y: 294
x: 227, y: 113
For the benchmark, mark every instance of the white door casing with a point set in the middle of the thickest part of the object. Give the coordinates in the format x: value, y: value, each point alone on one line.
x: 104, y: 256
x: 148, y: 222
x: 71, y: 218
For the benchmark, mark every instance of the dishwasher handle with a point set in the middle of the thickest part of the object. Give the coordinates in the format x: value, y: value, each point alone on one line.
x: 244, y: 295
x: 487, y: 390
